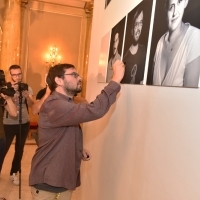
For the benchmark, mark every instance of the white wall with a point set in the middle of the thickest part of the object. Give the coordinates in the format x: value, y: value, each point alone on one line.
x: 147, y: 147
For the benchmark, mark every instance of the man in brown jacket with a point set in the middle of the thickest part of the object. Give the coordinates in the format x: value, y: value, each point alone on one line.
x: 55, y: 169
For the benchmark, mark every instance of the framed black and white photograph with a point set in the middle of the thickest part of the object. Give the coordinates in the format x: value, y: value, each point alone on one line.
x: 115, y: 51
x: 107, y: 3
x: 136, y: 40
x: 103, y: 58
x: 175, y: 53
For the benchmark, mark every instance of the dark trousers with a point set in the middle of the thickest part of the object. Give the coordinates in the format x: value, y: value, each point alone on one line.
x: 12, y: 131
x: 2, y: 151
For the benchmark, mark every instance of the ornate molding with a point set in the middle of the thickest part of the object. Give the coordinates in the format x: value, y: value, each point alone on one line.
x: 89, y: 8
x: 24, y: 3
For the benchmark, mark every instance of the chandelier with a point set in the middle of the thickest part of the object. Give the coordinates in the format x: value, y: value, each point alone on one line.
x: 52, y: 58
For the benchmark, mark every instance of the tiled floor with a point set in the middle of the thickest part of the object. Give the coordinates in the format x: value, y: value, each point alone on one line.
x: 10, y: 191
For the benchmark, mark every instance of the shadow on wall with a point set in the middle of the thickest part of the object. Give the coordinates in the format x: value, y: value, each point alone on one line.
x: 105, y: 120
x: 34, y: 80
x: 123, y: 149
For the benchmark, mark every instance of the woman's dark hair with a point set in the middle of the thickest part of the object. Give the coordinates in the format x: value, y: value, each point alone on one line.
x: 56, y: 71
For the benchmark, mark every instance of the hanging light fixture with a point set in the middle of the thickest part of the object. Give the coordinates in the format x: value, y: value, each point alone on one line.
x: 52, y: 58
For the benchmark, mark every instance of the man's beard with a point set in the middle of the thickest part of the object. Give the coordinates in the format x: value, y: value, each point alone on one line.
x: 135, y: 42
x: 114, y: 51
x: 71, y: 91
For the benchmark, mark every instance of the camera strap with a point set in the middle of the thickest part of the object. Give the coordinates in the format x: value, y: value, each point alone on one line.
x: 25, y: 101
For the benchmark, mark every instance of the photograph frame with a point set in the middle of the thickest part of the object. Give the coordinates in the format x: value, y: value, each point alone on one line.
x: 160, y: 28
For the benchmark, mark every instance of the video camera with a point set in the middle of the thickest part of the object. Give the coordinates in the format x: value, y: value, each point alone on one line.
x: 5, y: 88
x: 22, y: 86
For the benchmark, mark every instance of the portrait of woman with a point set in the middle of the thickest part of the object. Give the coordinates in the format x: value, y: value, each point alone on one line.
x: 176, y: 60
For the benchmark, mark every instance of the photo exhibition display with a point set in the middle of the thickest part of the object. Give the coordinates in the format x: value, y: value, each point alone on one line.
x: 158, y: 40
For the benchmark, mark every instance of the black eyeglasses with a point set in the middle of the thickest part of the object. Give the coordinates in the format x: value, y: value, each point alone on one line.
x: 138, y: 24
x: 15, y: 75
x: 74, y: 74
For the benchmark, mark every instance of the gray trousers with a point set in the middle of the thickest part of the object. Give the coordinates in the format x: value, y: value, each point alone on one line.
x: 44, y: 195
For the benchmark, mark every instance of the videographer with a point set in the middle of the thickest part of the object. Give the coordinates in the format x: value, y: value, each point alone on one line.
x: 12, y: 110
x: 11, y: 124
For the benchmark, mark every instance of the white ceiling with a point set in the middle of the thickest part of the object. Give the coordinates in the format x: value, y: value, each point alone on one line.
x: 71, y: 3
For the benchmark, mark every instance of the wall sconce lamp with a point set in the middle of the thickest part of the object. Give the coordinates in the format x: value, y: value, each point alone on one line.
x: 52, y: 57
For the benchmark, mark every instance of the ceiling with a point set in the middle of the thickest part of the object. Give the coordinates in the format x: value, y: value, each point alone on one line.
x: 71, y: 3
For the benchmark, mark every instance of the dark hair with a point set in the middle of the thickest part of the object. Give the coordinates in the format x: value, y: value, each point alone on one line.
x: 137, y: 13
x: 166, y: 4
x: 116, y: 30
x: 14, y: 67
x: 56, y: 71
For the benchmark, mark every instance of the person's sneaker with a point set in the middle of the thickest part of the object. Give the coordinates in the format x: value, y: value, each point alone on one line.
x: 14, y: 179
